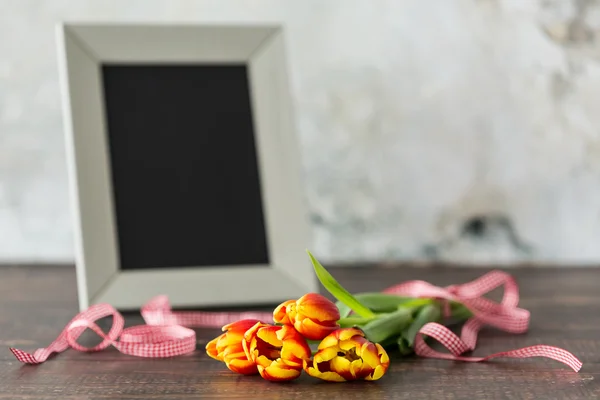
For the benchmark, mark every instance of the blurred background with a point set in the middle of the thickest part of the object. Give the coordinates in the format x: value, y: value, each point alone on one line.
x: 464, y: 131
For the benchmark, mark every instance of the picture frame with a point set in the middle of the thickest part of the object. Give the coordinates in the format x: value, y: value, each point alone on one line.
x: 104, y: 259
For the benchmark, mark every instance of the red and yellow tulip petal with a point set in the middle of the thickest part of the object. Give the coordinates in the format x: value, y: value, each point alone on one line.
x: 347, y: 333
x: 361, y: 370
x: 292, y: 312
x: 293, y: 362
x: 250, y: 332
x: 317, y: 307
x: 294, y: 348
x: 286, y: 332
x: 244, y: 367
x: 276, y: 373
x: 355, y: 343
x: 383, y: 355
x: 253, y: 348
x: 229, y: 339
x: 289, y: 335
x: 280, y: 314
x: 250, y: 341
x: 241, y: 326
x: 234, y: 351
x: 368, y: 353
x: 261, y: 348
x: 269, y: 335
x: 326, y: 354
x: 322, y: 370
x: 341, y: 365
x: 313, y: 330
x: 211, y: 348
x: 250, y: 335
x: 329, y: 376
x: 381, y: 369
x: 340, y: 335
x: 234, y: 356
x: 328, y: 341
x: 376, y: 374
x: 247, y: 350
x: 263, y: 361
x: 293, y: 356
x: 349, y: 370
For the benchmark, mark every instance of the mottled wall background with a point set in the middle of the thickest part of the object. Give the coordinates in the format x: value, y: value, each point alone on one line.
x: 460, y: 130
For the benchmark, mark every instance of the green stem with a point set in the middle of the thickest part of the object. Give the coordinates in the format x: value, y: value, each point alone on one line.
x: 460, y: 312
x: 349, y: 322
x: 388, y: 325
x: 429, y: 313
x: 376, y: 302
x: 417, y: 304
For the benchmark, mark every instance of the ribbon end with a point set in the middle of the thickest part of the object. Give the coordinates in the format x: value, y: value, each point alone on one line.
x: 24, y: 357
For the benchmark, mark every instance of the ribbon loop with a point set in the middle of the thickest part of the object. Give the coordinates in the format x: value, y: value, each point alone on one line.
x: 142, y: 341
x: 74, y: 329
x: 166, y: 333
x: 87, y: 320
x: 157, y: 341
x: 457, y: 347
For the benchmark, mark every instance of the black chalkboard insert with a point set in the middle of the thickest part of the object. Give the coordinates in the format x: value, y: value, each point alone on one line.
x: 186, y: 186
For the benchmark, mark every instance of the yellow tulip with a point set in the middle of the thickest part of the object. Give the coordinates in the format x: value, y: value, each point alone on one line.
x: 228, y: 347
x: 313, y: 315
x: 279, y: 352
x: 346, y: 355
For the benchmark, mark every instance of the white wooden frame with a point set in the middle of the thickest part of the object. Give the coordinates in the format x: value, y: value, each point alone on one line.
x: 82, y: 49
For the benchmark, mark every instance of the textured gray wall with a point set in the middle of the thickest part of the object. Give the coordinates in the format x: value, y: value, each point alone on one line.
x: 416, y: 117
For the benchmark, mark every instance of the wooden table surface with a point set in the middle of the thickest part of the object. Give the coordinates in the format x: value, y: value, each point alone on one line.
x: 37, y: 302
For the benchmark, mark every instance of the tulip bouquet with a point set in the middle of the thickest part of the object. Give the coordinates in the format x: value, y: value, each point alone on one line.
x: 349, y: 337
x: 336, y: 342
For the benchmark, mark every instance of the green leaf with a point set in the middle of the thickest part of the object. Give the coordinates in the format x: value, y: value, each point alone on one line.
x: 377, y: 302
x: 429, y: 313
x: 338, y: 290
x: 388, y: 325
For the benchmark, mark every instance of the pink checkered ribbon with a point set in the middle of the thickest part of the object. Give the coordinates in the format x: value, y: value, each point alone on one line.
x: 166, y: 333
x: 505, y: 316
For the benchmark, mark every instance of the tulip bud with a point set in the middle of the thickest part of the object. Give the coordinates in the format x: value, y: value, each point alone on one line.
x: 346, y: 355
x: 228, y: 347
x: 279, y: 352
x: 282, y: 312
x: 313, y: 315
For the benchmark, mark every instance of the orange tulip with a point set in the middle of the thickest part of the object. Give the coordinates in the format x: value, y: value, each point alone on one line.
x: 228, y: 347
x: 279, y: 352
x: 346, y: 355
x: 313, y: 315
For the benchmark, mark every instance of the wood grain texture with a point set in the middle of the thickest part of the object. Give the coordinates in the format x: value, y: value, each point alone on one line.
x: 37, y: 302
